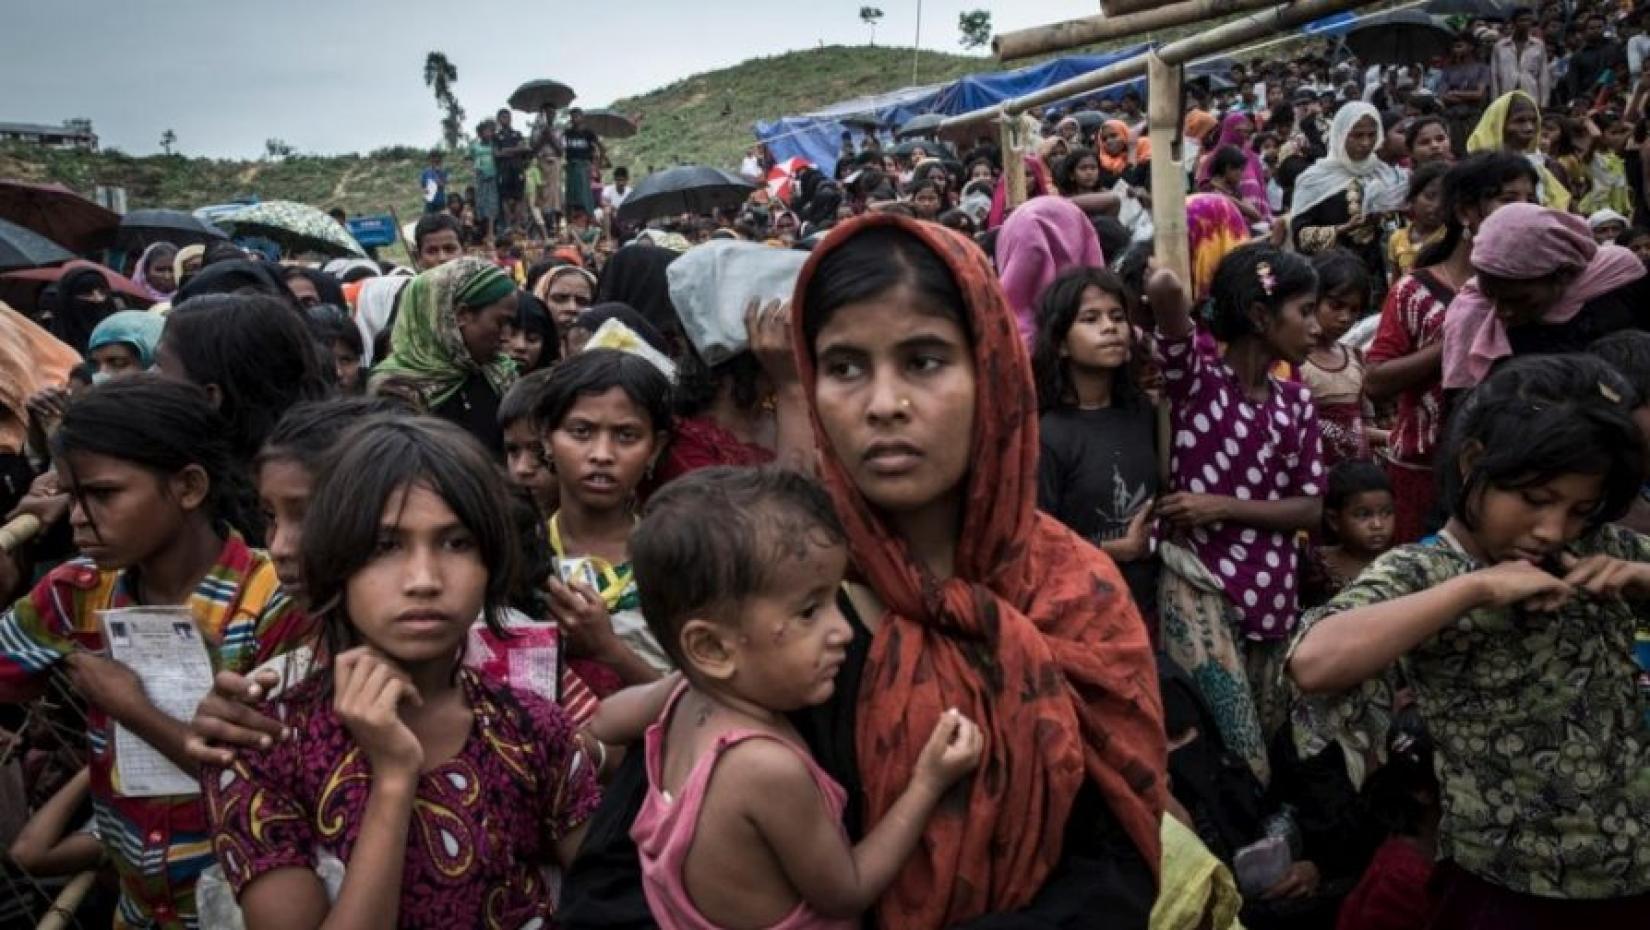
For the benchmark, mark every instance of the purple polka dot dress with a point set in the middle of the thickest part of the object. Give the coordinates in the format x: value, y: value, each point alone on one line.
x: 1226, y: 444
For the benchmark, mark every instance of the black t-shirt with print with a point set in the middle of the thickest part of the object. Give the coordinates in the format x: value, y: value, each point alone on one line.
x: 1097, y: 469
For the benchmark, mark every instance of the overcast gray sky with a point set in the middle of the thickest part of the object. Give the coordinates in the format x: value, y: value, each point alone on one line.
x: 347, y: 75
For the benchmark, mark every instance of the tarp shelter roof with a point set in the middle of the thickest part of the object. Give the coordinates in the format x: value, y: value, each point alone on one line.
x: 817, y: 136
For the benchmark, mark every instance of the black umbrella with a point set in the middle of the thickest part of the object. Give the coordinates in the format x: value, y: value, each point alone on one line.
x: 684, y: 189
x: 1089, y: 120
x: 925, y: 125
x: 140, y: 229
x: 25, y: 248
x: 865, y: 121
x: 1398, y: 38
x: 1489, y: 8
x: 534, y: 96
x: 609, y: 124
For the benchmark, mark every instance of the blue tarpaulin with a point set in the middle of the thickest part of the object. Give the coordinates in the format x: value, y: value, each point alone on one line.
x: 817, y: 136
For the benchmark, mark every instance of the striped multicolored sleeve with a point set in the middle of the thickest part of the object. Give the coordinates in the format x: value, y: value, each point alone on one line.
x: 36, y: 634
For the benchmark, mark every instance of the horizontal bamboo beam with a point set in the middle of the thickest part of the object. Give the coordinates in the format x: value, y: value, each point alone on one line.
x: 1087, y: 30
x: 1124, y: 7
x: 1216, y: 40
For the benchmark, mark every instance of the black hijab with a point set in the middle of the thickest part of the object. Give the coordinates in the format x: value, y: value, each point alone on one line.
x: 73, y: 315
x: 237, y: 276
x: 636, y: 276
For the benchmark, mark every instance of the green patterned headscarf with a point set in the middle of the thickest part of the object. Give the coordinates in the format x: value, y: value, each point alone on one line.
x: 426, y: 348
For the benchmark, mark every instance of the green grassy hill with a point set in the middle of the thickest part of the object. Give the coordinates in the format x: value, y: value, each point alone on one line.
x: 702, y: 119
x: 705, y: 118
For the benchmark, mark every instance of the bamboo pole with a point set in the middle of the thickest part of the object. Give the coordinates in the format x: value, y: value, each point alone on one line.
x: 1014, y: 174
x: 1168, y: 178
x: 1087, y: 30
x: 68, y: 901
x: 1218, y: 39
x: 1125, y: 7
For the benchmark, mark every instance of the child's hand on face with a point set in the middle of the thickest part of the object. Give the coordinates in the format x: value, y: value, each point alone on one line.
x: 1603, y: 576
x: 953, y: 751
x: 1519, y: 582
x: 367, y: 696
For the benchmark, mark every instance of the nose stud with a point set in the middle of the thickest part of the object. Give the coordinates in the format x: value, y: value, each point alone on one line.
x: 905, y: 403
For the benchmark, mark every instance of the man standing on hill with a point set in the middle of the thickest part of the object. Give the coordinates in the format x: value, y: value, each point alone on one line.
x: 510, y: 153
x: 486, y: 199
x: 581, y: 148
x: 433, y: 182
x: 1519, y: 62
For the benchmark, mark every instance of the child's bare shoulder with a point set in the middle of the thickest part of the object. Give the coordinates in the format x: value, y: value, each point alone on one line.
x: 765, y: 770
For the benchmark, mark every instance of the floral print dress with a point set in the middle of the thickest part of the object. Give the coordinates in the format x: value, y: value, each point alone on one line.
x: 484, y: 823
x: 1543, y: 749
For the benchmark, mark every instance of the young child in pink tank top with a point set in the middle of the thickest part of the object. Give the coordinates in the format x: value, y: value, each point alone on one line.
x: 739, y: 572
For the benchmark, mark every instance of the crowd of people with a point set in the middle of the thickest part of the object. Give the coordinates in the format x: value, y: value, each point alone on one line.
x: 884, y: 551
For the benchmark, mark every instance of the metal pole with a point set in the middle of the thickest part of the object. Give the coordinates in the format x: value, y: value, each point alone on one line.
x: 1220, y: 38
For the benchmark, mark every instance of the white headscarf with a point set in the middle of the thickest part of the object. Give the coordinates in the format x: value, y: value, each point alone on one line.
x: 1331, y: 175
x: 373, y: 306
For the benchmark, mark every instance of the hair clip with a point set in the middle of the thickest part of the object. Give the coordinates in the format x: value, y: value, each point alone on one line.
x: 1609, y: 393
x: 1268, y: 281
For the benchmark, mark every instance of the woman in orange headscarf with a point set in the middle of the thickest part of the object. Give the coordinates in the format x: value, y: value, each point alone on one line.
x: 970, y: 597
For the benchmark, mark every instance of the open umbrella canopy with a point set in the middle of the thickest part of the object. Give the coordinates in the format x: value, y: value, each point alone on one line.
x: 140, y: 229
x: 21, y: 289
x: 1089, y: 120
x: 1489, y: 8
x: 296, y: 227
x: 1398, y: 38
x: 25, y: 248
x: 59, y: 214
x: 925, y: 125
x: 609, y: 124
x: 865, y: 121
x: 534, y: 96
x: 684, y: 189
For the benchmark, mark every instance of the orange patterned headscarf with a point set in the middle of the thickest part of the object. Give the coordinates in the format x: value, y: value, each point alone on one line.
x: 1035, y: 638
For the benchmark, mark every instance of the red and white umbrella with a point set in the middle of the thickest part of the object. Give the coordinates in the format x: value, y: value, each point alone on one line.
x: 781, y: 175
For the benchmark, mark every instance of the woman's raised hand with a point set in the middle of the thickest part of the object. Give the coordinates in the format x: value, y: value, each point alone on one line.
x: 367, y: 696
x: 769, y: 329
x: 583, y: 617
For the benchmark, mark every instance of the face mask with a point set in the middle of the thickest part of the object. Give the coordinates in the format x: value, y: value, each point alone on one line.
x: 101, y: 377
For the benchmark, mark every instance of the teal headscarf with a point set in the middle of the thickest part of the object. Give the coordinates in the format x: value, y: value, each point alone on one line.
x: 426, y: 348
x: 134, y: 328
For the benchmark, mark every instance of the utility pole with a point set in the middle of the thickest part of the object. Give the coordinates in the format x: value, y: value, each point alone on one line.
x: 916, y: 47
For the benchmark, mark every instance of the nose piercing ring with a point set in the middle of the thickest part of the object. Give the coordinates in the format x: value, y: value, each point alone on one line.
x: 905, y: 403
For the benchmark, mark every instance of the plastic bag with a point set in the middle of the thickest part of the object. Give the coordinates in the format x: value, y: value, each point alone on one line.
x: 711, y: 284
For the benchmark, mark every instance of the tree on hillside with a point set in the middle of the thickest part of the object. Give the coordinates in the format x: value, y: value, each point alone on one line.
x: 275, y: 150
x: 975, y: 26
x: 870, y: 16
x: 167, y: 140
x: 440, y: 75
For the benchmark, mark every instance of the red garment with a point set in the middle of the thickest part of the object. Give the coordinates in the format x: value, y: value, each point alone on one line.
x: 1392, y: 895
x: 700, y: 442
x: 1035, y: 638
x: 1414, y: 493
x: 1411, y: 320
